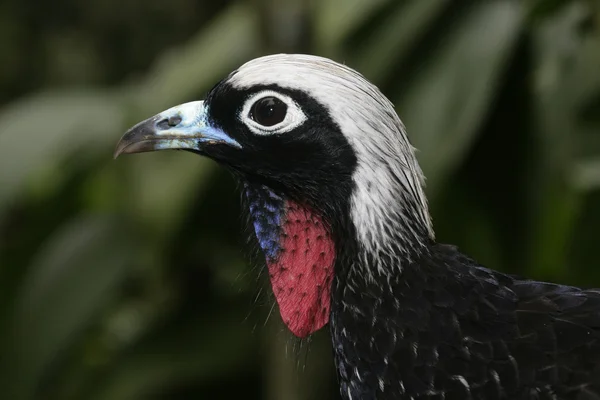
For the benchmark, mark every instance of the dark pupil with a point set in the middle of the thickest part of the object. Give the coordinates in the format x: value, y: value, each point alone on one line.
x: 268, y: 111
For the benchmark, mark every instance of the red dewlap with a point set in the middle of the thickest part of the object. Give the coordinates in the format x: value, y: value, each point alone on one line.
x: 302, y: 274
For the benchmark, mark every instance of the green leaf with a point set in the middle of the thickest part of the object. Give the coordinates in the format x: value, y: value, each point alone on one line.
x: 445, y: 103
x: 74, y: 276
x: 586, y: 175
x: 37, y: 132
x: 565, y: 77
x: 396, y: 36
x: 200, y: 349
x: 335, y: 19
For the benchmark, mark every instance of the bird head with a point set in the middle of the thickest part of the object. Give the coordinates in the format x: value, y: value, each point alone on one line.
x: 331, y: 182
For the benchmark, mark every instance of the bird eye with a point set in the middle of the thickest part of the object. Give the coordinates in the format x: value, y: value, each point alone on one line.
x: 268, y: 111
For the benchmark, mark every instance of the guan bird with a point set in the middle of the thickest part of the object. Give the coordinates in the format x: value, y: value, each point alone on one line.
x: 335, y: 197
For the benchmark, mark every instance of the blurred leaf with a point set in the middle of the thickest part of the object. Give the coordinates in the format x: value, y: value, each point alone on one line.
x: 447, y: 100
x: 587, y: 101
x: 399, y: 32
x: 334, y: 19
x: 201, y: 350
x: 566, y: 74
x: 586, y: 175
x: 543, y: 8
x: 72, y: 278
x: 41, y: 130
x: 561, y: 82
x: 161, y: 188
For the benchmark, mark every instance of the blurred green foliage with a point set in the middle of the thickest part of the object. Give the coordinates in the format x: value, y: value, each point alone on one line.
x: 128, y: 280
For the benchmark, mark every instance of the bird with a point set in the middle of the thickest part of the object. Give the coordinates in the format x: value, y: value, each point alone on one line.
x: 335, y: 196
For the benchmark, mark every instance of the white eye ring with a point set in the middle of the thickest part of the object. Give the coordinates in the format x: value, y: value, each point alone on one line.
x: 294, y: 116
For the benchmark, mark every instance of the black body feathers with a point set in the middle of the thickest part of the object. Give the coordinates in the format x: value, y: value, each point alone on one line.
x: 447, y: 328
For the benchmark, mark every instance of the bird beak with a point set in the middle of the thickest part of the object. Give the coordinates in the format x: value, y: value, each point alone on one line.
x: 184, y: 126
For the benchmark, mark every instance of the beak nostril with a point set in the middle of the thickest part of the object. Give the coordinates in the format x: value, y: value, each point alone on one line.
x: 169, y: 122
x: 174, y: 121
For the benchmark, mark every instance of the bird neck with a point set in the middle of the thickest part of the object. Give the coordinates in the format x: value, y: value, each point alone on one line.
x: 304, y: 246
x: 300, y: 255
x: 404, y: 242
x: 389, y: 213
x: 374, y: 320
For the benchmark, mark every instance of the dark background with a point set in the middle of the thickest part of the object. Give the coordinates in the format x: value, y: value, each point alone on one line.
x: 127, y: 279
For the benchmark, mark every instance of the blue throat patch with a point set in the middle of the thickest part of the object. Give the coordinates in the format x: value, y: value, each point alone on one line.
x: 266, y: 209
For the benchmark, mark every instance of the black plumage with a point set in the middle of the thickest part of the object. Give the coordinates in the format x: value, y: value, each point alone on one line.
x: 447, y: 328
x: 335, y: 196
